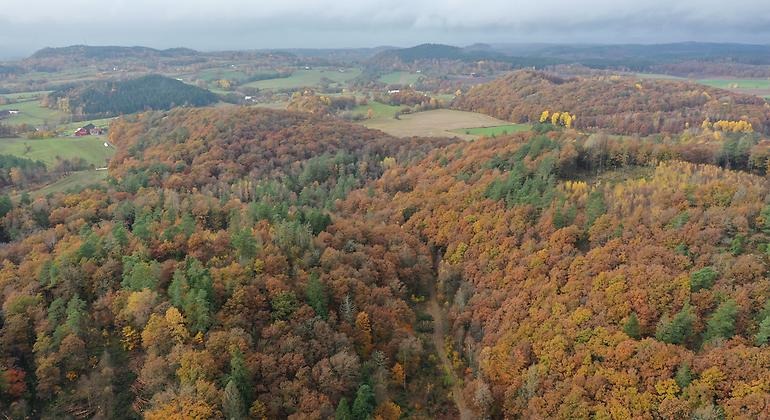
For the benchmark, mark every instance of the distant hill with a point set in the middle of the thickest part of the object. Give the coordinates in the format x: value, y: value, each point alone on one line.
x: 621, y: 105
x: 109, y: 52
x: 475, y: 52
x: 108, y: 98
x: 107, y: 57
x: 662, y: 53
x: 439, y: 59
x: 683, y: 58
x: 8, y: 70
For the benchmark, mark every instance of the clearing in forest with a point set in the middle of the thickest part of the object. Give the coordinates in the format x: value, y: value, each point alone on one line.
x: 436, y: 123
x: 308, y: 78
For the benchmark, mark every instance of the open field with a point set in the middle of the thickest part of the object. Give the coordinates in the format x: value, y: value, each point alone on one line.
x: 400, y: 78
x: 380, y: 112
x: 73, y: 181
x: 228, y: 73
x: 436, y: 123
x: 90, y: 148
x: 757, y: 87
x: 737, y: 83
x: 657, y: 76
x: 499, y: 130
x: 31, y: 112
x: 307, y: 78
x: 25, y: 95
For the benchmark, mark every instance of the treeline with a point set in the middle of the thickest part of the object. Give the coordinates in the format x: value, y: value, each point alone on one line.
x: 615, y: 104
x: 17, y: 171
x: 313, y: 103
x: 110, y: 98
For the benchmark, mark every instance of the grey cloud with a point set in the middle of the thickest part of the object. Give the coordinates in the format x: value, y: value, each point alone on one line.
x: 227, y: 24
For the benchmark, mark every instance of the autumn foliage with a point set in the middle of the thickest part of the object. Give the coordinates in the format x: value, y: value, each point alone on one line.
x: 246, y: 263
x: 619, y: 105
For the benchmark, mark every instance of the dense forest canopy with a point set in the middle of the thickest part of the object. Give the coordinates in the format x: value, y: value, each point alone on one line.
x: 109, y: 98
x: 620, y: 105
x: 254, y: 263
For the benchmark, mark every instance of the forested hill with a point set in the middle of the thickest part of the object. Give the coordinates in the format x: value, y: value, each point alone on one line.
x: 212, y: 279
x: 110, y: 98
x: 81, y: 52
x: 426, y: 56
x: 188, y: 148
x: 621, y: 105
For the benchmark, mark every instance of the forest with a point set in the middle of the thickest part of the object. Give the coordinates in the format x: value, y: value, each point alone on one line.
x: 619, y: 105
x: 248, y: 263
x: 110, y: 98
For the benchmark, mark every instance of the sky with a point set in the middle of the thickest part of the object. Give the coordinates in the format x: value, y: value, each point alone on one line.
x: 27, y: 25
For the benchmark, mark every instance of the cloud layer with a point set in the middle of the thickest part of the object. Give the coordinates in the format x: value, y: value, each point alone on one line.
x: 316, y: 23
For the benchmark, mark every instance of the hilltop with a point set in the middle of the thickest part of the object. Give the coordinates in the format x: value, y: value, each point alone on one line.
x: 622, y: 105
x: 108, y: 98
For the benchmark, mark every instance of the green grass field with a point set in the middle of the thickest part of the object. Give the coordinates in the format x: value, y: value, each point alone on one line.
x: 657, y: 76
x: 72, y: 182
x: 25, y: 95
x: 737, y: 83
x: 380, y: 111
x: 31, y: 112
x: 400, y: 78
x: 499, y: 130
x: 306, y: 78
x: 89, y: 148
x: 229, y: 73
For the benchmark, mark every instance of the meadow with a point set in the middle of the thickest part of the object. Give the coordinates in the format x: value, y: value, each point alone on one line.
x: 436, y: 123
x: 71, y: 182
x: 380, y: 111
x: 498, y: 130
x: 32, y: 113
x: 90, y: 148
x: 737, y: 83
x: 758, y: 87
x: 307, y: 78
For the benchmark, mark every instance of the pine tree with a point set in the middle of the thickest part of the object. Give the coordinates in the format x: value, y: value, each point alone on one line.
x: 240, y: 375
x: 5, y: 205
x: 678, y: 329
x: 316, y: 296
x: 721, y: 324
x: 702, y: 279
x: 364, y: 403
x: 632, y: 327
x: 343, y: 410
x: 683, y: 376
x: 764, y: 332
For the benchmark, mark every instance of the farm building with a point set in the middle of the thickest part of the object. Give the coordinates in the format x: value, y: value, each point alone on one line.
x: 8, y: 112
x: 89, y: 129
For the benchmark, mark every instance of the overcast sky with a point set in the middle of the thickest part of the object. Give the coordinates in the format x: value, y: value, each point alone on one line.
x: 27, y: 25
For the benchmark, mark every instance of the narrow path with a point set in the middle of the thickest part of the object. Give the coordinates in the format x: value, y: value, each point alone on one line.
x: 439, y: 329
